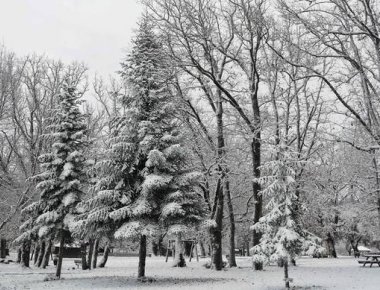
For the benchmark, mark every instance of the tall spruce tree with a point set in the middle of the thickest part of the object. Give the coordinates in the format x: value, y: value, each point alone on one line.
x: 167, y: 194
x: 144, y: 186
x: 62, y: 176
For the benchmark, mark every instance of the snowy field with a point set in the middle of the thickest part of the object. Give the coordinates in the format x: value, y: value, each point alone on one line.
x: 120, y: 273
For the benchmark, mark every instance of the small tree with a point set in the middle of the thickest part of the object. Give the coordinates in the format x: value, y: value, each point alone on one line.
x: 63, y: 174
x: 283, y: 237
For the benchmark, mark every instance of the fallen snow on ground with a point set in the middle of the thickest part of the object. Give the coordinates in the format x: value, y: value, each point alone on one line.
x: 120, y: 273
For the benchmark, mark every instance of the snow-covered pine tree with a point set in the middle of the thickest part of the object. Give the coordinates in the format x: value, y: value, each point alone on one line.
x: 62, y: 176
x: 105, y: 191
x: 143, y: 185
x: 167, y: 198
x: 283, y: 237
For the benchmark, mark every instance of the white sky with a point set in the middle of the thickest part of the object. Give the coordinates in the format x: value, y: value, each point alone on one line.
x: 95, y: 32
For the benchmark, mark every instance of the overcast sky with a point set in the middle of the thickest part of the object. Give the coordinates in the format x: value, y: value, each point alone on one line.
x: 96, y: 32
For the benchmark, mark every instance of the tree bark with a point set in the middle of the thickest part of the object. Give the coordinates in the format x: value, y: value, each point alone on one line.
x: 256, y: 161
x: 286, y: 273
x: 36, y: 252
x: 142, y: 257
x: 95, y: 254
x: 155, y: 248
x: 60, y: 256
x: 179, y: 261
x: 203, y: 250
x: 218, y: 206
x: 187, y: 248
x: 348, y: 248
x: 3, y: 246
x: 90, y: 251
x: 19, y: 254
x: 216, y: 232
x: 377, y: 178
x: 83, y: 256
x: 25, y: 253
x: 41, y: 253
x: 45, y: 260
x: 32, y: 249
x: 161, y: 248
x: 331, y: 245
x: 231, y: 257
x: 104, y: 259
x: 354, y: 245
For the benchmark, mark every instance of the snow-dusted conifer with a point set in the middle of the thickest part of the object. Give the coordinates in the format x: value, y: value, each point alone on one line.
x: 166, y: 189
x: 283, y: 237
x: 63, y: 173
x: 143, y: 185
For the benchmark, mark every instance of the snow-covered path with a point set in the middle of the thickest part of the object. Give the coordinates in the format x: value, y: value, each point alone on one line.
x: 120, y: 273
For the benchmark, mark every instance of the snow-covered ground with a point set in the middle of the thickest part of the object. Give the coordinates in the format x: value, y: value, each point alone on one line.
x: 120, y: 273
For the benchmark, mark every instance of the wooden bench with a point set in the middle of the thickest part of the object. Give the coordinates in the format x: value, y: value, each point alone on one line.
x: 68, y: 252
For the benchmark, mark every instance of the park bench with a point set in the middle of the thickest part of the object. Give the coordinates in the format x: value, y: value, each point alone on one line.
x: 370, y: 259
x: 68, y: 252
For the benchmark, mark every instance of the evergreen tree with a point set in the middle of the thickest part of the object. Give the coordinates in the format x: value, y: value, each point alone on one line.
x: 283, y: 237
x: 166, y: 190
x: 144, y: 186
x: 62, y: 176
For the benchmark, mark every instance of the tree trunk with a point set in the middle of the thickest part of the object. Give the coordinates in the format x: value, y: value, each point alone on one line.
x: 19, y: 254
x: 377, y: 178
x: 203, y: 250
x: 25, y: 253
x: 354, y: 246
x: 60, y: 256
x: 179, y: 261
x: 231, y: 257
x: 331, y: 245
x: 256, y: 162
x: 36, y: 252
x: 155, y: 248
x: 161, y: 248
x: 95, y: 254
x: 256, y: 154
x: 217, y: 212
x: 247, y: 247
x: 45, y: 260
x: 90, y: 251
x: 104, y: 259
x: 286, y: 273
x: 348, y: 247
x: 83, y: 256
x: 3, y: 247
x: 187, y: 248
x: 216, y: 232
x: 280, y: 262
x: 32, y: 249
x: 142, y: 257
x: 41, y: 253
